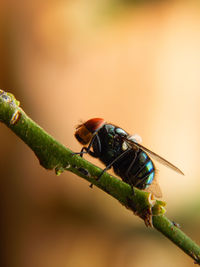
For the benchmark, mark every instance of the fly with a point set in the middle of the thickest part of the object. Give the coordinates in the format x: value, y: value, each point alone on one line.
x: 118, y: 150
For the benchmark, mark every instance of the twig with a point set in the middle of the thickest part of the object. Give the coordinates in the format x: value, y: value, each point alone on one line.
x: 53, y: 155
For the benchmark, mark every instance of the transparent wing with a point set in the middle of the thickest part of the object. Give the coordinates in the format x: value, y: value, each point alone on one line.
x: 156, y: 156
x: 154, y: 188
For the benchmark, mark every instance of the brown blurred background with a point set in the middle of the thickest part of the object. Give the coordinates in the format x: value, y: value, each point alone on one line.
x: 134, y: 63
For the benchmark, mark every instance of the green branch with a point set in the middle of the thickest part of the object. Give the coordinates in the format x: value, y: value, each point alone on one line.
x: 53, y: 155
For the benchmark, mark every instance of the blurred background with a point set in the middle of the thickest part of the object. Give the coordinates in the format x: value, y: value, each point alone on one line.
x: 135, y: 64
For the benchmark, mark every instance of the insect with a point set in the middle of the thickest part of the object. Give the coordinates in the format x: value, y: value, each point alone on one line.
x: 117, y: 149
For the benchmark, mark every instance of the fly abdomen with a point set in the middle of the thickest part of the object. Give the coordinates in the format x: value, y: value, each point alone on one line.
x: 135, y: 168
x: 146, y: 174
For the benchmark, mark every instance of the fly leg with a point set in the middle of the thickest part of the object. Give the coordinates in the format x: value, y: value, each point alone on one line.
x: 131, y: 165
x: 104, y: 170
x: 128, y: 172
x: 141, y: 182
x: 111, y: 164
x: 82, y: 152
x: 97, y: 152
x: 87, y: 150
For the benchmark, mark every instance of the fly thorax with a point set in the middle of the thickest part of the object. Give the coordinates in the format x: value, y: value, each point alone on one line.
x: 120, y: 132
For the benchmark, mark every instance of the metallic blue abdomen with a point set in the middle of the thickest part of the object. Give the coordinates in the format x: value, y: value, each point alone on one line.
x: 140, y: 173
x: 148, y: 170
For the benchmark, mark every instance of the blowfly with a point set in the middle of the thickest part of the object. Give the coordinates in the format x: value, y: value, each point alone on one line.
x: 117, y: 149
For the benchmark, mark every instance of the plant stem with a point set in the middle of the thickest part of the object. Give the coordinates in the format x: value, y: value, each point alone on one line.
x: 53, y: 155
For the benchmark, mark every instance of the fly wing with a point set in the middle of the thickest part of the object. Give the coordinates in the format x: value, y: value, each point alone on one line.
x: 156, y: 156
x: 154, y: 188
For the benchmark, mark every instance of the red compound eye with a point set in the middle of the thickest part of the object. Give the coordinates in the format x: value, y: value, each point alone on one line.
x: 94, y: 125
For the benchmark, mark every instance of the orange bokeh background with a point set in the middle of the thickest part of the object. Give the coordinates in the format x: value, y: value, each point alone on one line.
x: 135, y: 65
